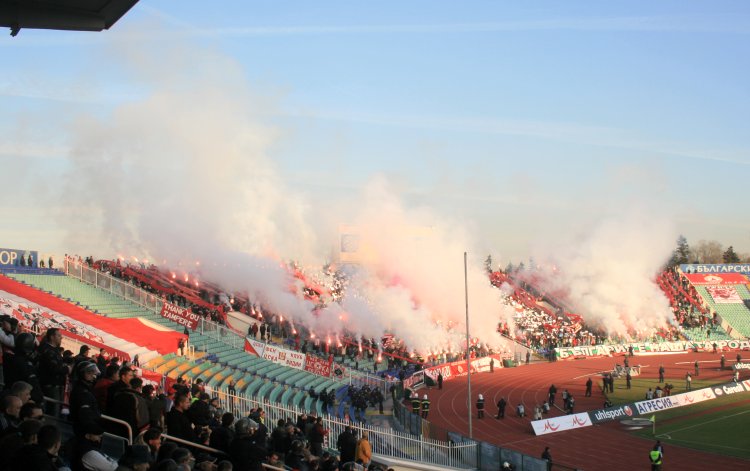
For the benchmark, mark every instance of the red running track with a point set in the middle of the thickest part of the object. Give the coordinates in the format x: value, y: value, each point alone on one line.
x: 598, y: 447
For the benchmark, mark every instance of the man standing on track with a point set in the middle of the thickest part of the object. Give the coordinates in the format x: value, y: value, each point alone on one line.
x: 661, y: 373
x: 552, y: 392
x: 688, y: 382
x: 480, y: 407
x: 589, y: 384
x: 501, y: 408
x: 696, y: 368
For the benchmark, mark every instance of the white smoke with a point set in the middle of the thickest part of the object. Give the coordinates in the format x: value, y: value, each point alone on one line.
x: 181, y: 174
x: 609, y: 273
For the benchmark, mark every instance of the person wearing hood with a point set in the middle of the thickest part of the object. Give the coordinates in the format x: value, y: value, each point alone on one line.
x: 480, y: 407
x: 83, y: 404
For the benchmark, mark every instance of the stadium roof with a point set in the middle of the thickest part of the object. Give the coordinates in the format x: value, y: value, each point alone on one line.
x: 71, y: 15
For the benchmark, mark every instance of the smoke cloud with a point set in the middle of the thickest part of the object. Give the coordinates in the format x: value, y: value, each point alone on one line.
x: 182, y: 175
x: 608, y: 273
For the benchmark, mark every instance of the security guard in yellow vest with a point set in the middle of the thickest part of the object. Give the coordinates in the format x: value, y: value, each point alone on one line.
x: 415, y: 404
x: 425, y: 406
x: 656, y: 458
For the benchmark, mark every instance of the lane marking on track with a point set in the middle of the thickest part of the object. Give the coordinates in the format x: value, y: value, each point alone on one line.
x: 699, y: 361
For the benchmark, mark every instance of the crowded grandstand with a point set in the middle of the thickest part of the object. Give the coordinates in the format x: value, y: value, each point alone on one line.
x: 132, y: 358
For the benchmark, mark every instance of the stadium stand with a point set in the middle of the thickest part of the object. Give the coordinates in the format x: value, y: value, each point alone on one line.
x: 736, y: 314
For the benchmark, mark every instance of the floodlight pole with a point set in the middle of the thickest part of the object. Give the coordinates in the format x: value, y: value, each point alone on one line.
x: 468, y: 357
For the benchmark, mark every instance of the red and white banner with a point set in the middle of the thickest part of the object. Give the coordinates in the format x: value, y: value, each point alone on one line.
x: 254, y: 347
x: 150, y: 377
x: 458, y: 368
x: 318, y: 366
x: 284, y: 357
x: 338, y: 371
x: 180, y: 315
x: 563, y: 422
x: 724, y: 294
x: 717, y: 279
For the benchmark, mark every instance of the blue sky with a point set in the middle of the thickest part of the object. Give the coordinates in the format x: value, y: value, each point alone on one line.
x: 525, y: 120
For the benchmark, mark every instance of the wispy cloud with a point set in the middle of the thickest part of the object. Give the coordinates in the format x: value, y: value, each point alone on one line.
x: 601, y: 136
x: 175, y: 27
x: 625, y: 24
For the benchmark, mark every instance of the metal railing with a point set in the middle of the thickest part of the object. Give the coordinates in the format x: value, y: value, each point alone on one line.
x: 211, y: 329
x: 385, y: 441
x: 107, y: 418
x: 197, y: 446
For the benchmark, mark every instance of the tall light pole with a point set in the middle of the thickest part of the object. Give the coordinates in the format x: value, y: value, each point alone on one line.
x: 468, y: 357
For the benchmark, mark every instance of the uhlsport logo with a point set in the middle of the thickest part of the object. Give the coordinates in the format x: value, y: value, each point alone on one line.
x: 611, y: 414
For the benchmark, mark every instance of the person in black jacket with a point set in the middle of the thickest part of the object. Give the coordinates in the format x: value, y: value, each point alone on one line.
x: 41, y: 456
x: 53, y: 372
x: 125, y: 375
x: 347, y: 445
x: 222, y: 436
x: 177, y: 421
x: 83, y: 405
x: 21, y: 365
x: 280, y: 438
x: 245, y: 451
x: 199, y: 411
x: 155, y: 404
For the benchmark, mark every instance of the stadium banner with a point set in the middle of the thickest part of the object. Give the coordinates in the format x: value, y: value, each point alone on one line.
x: 731, y: 388
x: 338, y: 371
x: 567, y: 353
x: 180, y: 315
x: 655, y: 405
x: 694, y: 397
x: 716, y: 268
x: 285, y: 357
x: 414, y: 381
x: 715, y: 279
x: 318, y: 366
x: 561, y: 423
x: 150, y: 377
x: 254, y: 347
x: 613, y: 413
x: 12, y: 257
x: 458, y: 368
x: 724, y: 294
